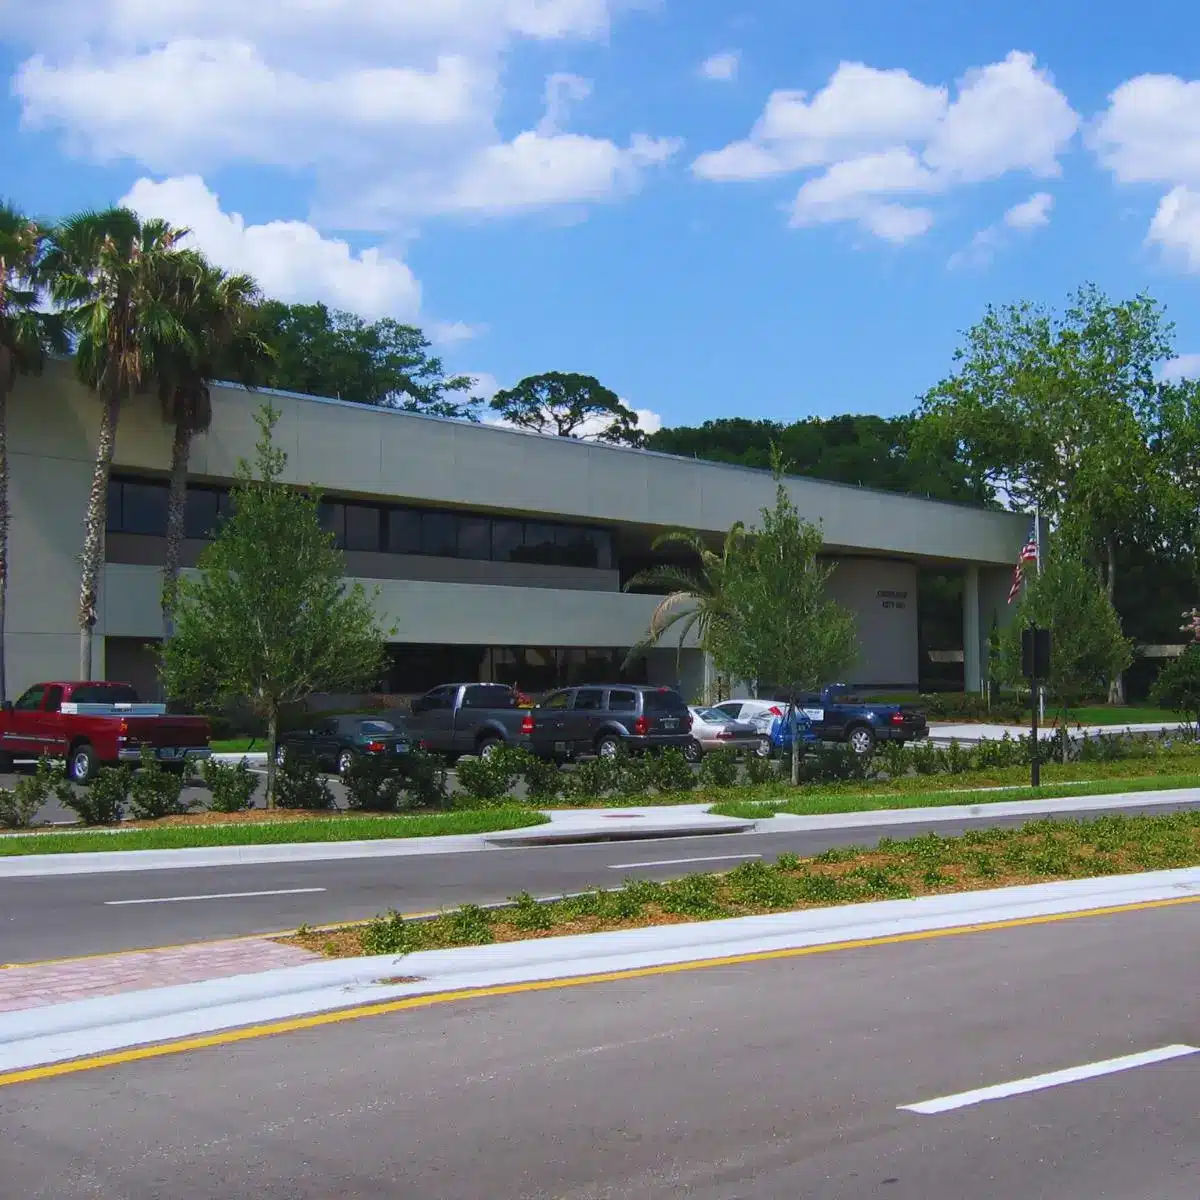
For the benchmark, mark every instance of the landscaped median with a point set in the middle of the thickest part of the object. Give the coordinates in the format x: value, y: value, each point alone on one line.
x: 1039, y: 852
x: 275, y: 828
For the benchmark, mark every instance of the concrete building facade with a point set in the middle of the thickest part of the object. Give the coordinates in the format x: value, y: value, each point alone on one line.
x: 494, y: 553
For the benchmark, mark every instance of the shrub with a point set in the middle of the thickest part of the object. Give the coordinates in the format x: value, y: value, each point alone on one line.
x: 232, y: 785
x: 298, y: 784
x: 834, y: 764
x: 671, y: 772
x: 543, y: 780
x: 486, y: 780
x: 425, y: 780
x: 719, y: 769
x: 1178, y: 686
x: 155, y: 793
x: 893, y: 757
x: 103, y: 801
x: 595, y: 777
x: 20, y: 805
x: 372, y: 785
x: 634, y: 776
x: 388, y: 934
x: 760, y: 770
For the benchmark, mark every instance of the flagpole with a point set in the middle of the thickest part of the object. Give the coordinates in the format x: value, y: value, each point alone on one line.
x: 1037, y: 545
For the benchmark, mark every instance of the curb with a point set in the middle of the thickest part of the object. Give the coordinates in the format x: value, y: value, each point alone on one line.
x: 88, y: 1027
x: 617, y: 833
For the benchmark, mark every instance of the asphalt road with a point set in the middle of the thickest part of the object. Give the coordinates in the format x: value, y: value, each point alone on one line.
x: 63, y: 916
x: 775, y: 1080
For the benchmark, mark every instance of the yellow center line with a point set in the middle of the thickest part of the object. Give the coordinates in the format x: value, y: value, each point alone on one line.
x: 384, y: 1008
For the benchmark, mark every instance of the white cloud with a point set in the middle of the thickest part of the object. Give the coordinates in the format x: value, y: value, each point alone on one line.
x: 1031, y: 213
x: 720, y: 68
x: 880, y: 133
x: 452, y: 333
x: 396, y: 97
x: 485, y: 385
x: 1150, y: 133
x: 290, y: 259
x: 1184, y: 366
x: 1176, y: 227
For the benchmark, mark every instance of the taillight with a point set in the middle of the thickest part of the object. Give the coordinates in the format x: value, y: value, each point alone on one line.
x: 123, y: 727
x: 376, y: 747
x: 527, y: 723
x: 897, y: 718
x: 641, y: 726
x: 724, y: 733
x: 776, y: 711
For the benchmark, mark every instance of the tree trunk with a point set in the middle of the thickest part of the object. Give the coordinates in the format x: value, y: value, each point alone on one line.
x: 792, y: 725
x: 272, y: 739
x: 93, y: 531
x: 1116, y: 689
x: 181, y: 448
x: 3, y: 518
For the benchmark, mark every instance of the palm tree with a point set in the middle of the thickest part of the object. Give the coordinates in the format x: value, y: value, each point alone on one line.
x: 218, y: 311
x: 695, y: 601
x: 104, y: 269
x: 26, y: 336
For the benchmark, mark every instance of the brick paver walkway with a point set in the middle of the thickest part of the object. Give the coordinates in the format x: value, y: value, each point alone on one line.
x: 111, y: 974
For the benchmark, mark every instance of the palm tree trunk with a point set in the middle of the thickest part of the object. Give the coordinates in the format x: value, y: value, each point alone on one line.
x: 181, y: 448
x: 272, y: 743
x: 4, y: 377
x: 93, y: 531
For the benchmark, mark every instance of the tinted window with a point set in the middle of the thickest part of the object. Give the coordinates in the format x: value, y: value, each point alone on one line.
x: 731, y: 709
x: 474, y: 538
x: 324, y: 728
x: 439, y: 535
x: 713, y: 714
x: 54, y: 697
x: 589, y: 699
x: 144, y: 508
x: 540, y: 544
x: 557, y: 702
x: 488, y: 695
x: 622, y: 701
x: 362, y: 527
x: 113, y: 518
x: 333, y: 520
x: 30, y: 701
x: 664, y: 703
x: 113, y: 693
x: 200, y: 516
x: 508, y: 539
x: 437, y: 699
x: 376, y: 727
x: 403, y: 531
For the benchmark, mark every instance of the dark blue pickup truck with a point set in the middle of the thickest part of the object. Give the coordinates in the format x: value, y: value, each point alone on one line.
x: 837, y: 716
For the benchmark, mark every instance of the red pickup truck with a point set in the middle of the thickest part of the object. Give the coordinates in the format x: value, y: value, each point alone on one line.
x: 95, y: 724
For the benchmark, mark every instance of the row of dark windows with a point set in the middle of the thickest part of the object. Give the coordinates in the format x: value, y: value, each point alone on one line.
x: 140, y: 506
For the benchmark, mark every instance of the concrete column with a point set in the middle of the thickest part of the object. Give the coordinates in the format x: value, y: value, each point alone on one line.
x: 972, y: 670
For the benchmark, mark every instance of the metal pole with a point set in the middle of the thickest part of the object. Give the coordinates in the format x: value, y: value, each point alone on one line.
x: 1037, y: 545
x: 1035, y: 762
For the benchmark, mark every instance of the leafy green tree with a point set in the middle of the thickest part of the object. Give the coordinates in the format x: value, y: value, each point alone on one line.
x: 27, y: 335
x: 781, y: 624
x: 269, y: 617
x: 324, y: 352
x: 1063, y: 412
x: 1088, y: 648
x: 104, y: 270
x: 570, y: 406
x: 1178, y: 685
x: 216, y: 310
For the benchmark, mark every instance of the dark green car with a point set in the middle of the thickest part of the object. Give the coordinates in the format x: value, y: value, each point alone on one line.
x: 333, y: 743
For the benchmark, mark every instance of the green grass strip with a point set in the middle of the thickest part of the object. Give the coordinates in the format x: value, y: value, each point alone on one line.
x: 340, y: 829
x: 816, y: 804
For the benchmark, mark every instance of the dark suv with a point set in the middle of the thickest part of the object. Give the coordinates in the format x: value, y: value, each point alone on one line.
x: 605, y: 719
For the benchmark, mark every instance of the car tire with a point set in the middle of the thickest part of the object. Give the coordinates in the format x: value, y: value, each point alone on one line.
x: 861, y: 739
x: 608, y: 745
x: 82, y: 764
x: 345, y: 761
x: 763, y: 749
x: 693, y: 751
x: 488, y: 746
x: 281, y: 756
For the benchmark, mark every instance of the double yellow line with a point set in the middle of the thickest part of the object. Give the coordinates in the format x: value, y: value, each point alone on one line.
x: 317, y: 1020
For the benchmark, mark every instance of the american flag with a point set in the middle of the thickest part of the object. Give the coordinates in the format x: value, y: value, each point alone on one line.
x: 1029, y: 553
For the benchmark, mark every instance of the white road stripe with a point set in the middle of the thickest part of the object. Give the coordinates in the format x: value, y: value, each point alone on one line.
x: 670, y: 862
x: 214, y: 896
x: 1036, y: 1083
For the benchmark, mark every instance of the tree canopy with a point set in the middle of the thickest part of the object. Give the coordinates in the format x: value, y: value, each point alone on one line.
x: 568, y: 405
x: 325, y: 352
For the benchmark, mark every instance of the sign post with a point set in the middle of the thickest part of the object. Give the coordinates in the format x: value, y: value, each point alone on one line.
x: 1035, y: 666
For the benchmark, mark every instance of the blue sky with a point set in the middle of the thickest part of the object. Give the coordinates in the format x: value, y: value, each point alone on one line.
x: 800, y: 227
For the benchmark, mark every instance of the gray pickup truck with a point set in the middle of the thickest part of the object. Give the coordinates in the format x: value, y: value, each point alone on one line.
x: 469, y: 718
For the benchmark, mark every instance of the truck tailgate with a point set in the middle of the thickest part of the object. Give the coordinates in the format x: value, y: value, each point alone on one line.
x: 185, y: 732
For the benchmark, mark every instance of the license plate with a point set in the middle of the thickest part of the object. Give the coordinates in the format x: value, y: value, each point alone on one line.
x: 400, y: 748
x: 670, y: 724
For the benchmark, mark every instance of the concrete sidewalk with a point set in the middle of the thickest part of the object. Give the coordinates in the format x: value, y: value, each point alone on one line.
x: 969, y: 734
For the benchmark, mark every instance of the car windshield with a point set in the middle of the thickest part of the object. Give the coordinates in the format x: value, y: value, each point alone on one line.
x: 376, y: 727
x: 714, y: 715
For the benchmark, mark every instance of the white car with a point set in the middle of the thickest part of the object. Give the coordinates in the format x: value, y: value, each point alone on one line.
x: 714, y: 730
x: 759, y: 713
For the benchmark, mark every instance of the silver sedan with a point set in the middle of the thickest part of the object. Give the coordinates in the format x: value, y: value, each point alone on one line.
x: 715, y: 730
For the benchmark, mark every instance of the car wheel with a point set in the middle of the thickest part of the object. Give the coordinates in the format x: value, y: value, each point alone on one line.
x: 82, y: 765
x: 763, y: 749
x: 861, y: 739
x: 345, y: 762
x: 693, y: 751
x: 281, y: 756
x: 488, y: 746
x: 608, y: 746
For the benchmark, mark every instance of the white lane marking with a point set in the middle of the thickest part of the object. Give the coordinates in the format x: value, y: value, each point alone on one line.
x: 214, y: 896
x: 670, y: 862
x: 1036, y: 1083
